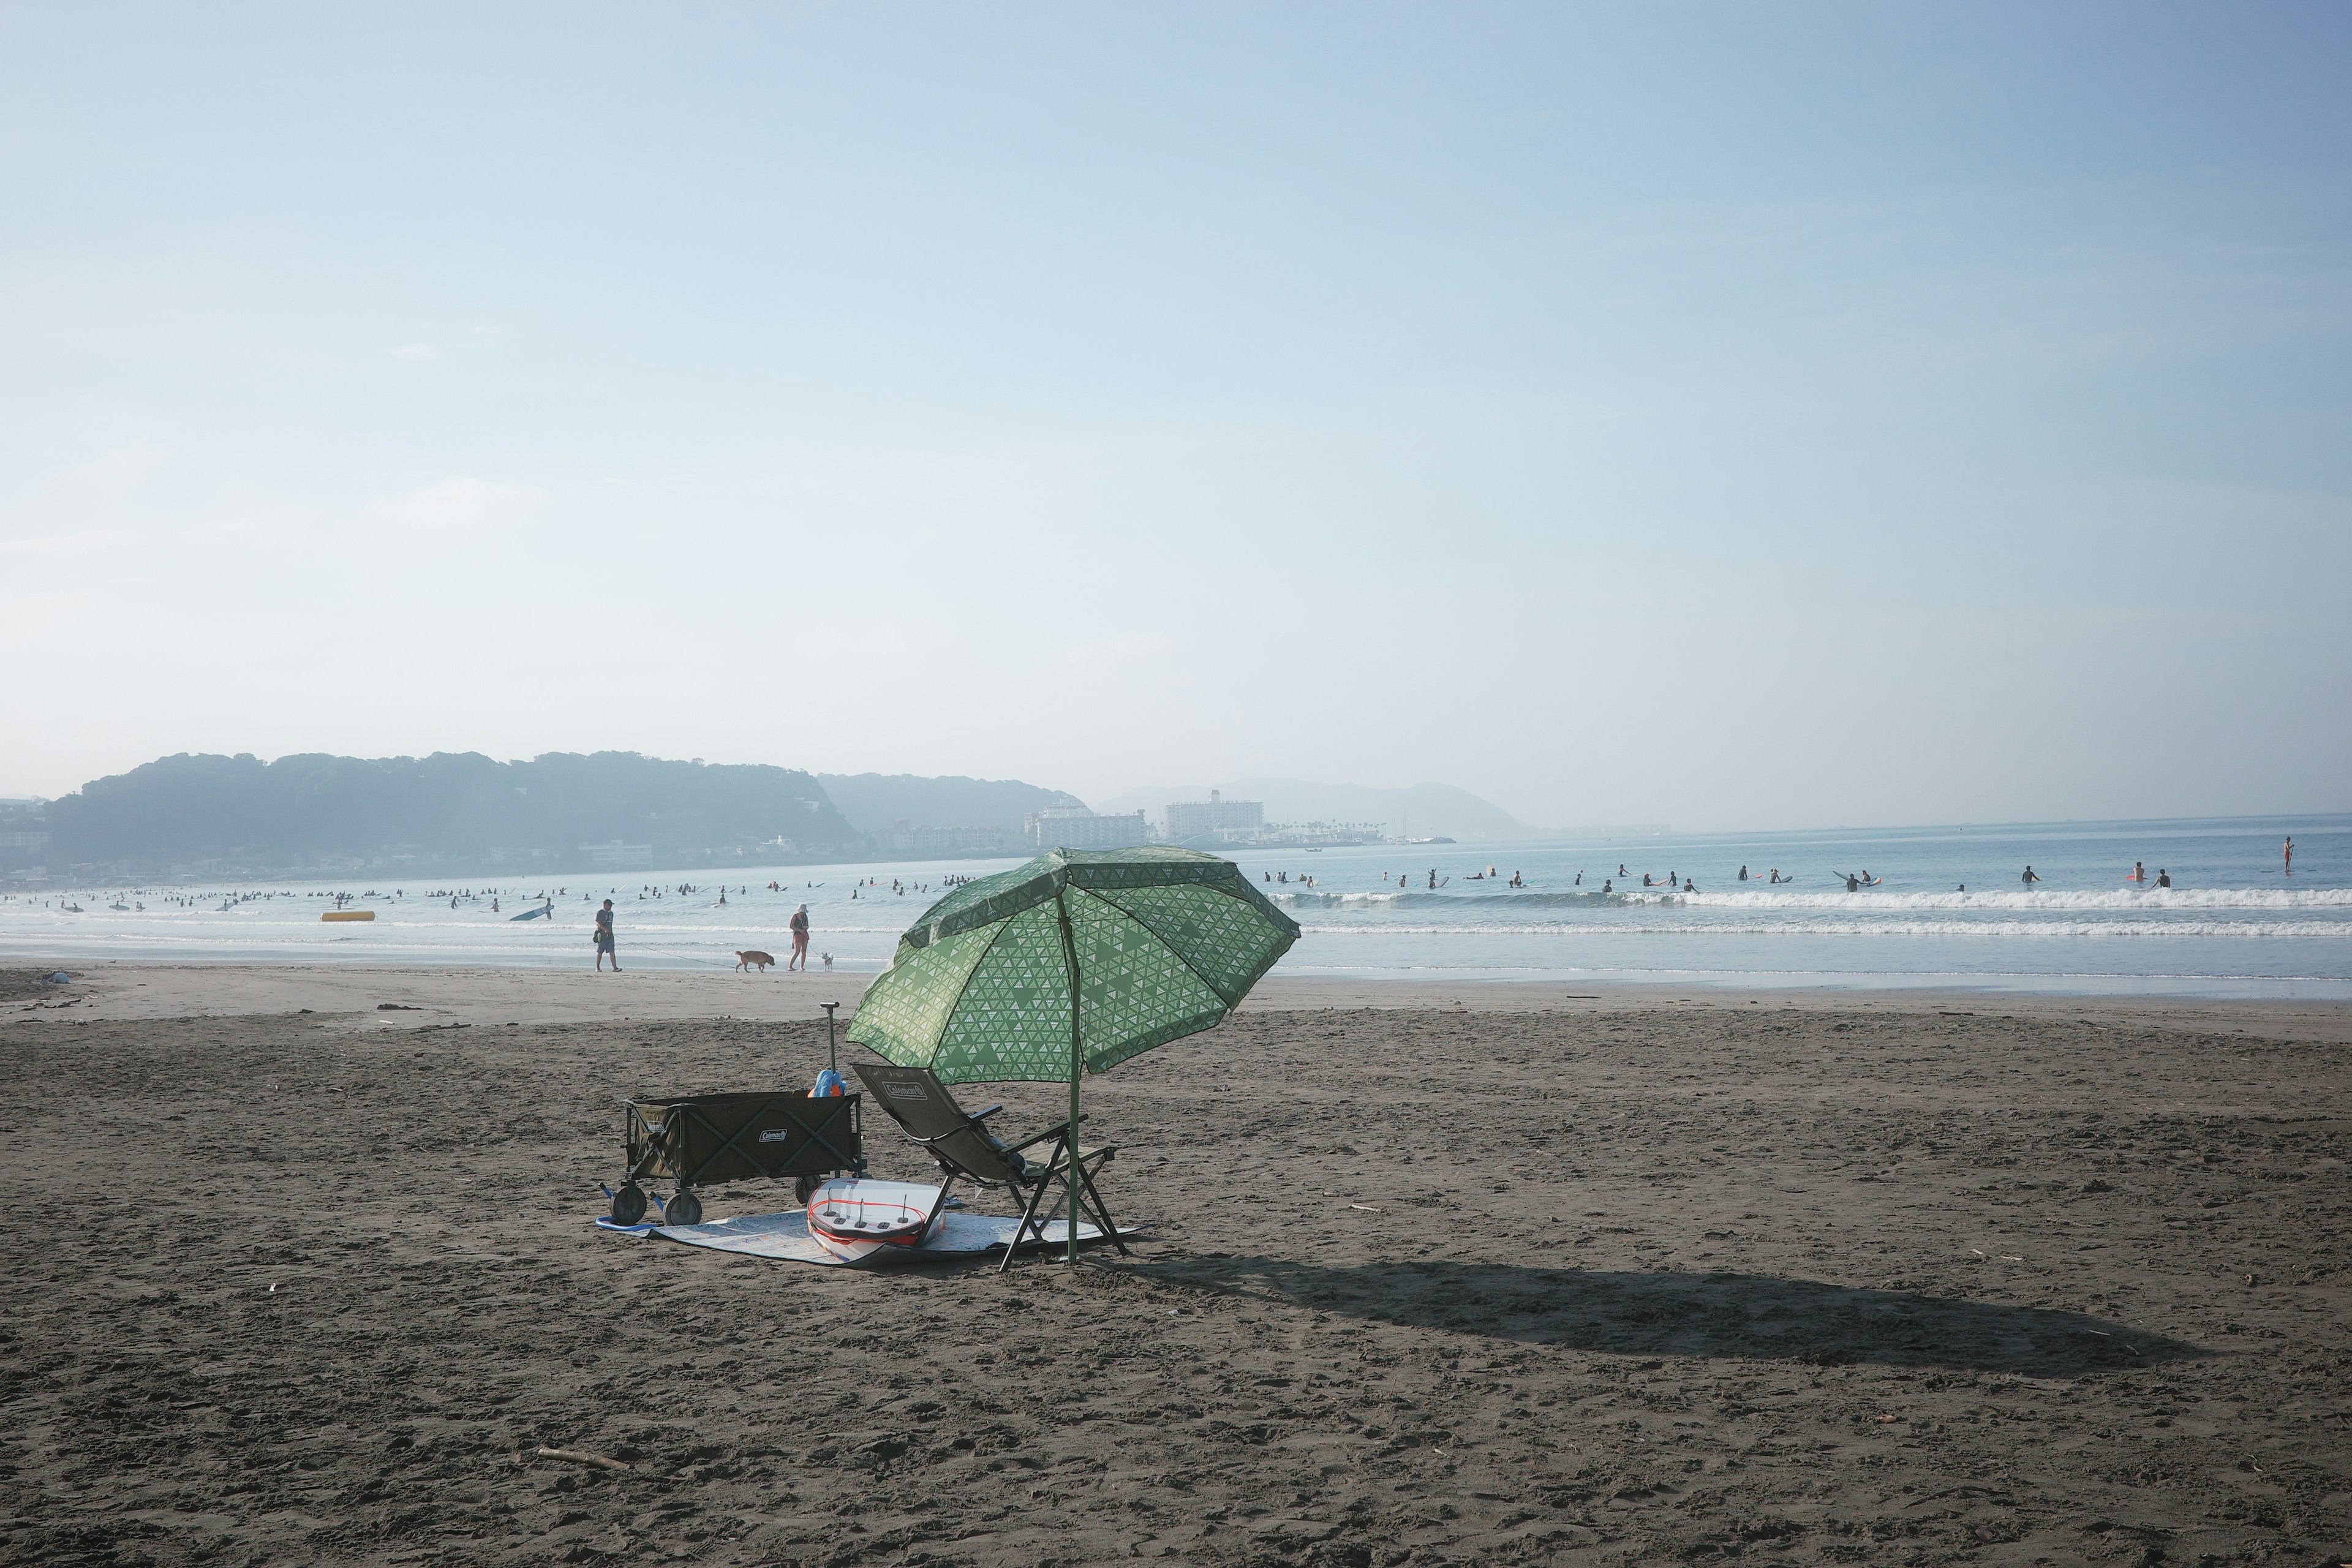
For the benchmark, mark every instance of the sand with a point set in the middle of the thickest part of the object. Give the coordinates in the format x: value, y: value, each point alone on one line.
x: 1531, y: 1279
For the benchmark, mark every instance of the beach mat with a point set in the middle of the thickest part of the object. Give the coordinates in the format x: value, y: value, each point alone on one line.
x: 785, y: 1236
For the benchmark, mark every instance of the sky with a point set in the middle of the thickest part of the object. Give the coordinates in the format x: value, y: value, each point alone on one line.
x: 1726, y: 415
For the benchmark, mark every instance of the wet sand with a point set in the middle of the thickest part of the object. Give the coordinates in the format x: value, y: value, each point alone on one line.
x: 1617, y: 1278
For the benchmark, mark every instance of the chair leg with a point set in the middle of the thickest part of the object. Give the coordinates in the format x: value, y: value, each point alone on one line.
x: 940, y: 1204
x: 1029, y: 1220
x: 1094, y: 1200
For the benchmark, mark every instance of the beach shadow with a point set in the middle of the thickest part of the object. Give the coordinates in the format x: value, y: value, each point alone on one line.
x: 1743, y: 1315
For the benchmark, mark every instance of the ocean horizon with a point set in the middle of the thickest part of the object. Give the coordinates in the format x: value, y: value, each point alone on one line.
x: 1947, y: 907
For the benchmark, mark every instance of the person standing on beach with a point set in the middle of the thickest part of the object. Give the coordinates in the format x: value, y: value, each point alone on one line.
x: 800, y: 940
x: 604, y: 939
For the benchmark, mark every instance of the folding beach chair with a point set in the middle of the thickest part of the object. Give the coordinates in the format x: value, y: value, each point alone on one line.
x: 961, y: 1144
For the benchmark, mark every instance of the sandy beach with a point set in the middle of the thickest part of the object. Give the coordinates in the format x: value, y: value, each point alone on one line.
x: 1487, y: 1274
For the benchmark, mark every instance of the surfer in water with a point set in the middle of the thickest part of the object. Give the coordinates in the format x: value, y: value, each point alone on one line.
x: 2286, y: 858
x: 2163, y: 878
x: 2028, y: 879
x: 1607, y: 886
x: 1743, y: 873
x: 2139, y: 872
x: 1853, y: 883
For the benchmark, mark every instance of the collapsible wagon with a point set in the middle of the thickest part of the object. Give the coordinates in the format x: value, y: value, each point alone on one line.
x: 696, y: 1140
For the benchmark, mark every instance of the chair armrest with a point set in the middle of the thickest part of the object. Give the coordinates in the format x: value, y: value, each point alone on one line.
x: 1053, y: 1131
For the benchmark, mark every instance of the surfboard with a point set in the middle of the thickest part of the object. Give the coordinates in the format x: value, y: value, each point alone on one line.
x: 855, y: 1219
x: 348, y: 915
x: 529, y: 915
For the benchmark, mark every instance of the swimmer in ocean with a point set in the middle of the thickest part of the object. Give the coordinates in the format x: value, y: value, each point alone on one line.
x: 2028, y: 879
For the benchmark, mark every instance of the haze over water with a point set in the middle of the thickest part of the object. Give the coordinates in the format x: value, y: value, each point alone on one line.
x: 2232, y: 925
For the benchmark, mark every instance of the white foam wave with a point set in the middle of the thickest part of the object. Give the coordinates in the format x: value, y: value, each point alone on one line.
x: 2022, y: 899
x: 2035, y: 929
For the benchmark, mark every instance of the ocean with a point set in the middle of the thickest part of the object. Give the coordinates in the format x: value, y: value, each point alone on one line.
x: 2232, y: 925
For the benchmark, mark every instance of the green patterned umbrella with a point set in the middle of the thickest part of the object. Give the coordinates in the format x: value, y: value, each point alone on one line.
x: 1078, y: 957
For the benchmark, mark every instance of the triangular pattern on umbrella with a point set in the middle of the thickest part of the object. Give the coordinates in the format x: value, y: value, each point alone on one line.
x: 1166, y: 940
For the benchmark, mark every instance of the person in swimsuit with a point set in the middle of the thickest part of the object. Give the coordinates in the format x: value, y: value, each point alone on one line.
x: 800, y: 939
x: 604, y: 939
x: 2286, y: 856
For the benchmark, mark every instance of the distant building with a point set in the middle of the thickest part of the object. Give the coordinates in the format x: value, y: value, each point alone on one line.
x: 1215, y: 818
x: 617, y: 856
x: 1082, y: 829
x: 904, y: 838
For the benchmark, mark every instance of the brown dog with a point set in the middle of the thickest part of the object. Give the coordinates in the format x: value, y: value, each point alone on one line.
x: 744, y: 960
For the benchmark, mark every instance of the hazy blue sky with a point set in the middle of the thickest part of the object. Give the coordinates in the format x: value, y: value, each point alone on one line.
x: 1730, y: 415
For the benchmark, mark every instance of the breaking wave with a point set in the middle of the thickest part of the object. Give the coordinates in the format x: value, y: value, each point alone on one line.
x: 1872, y: 901
x: 2039, y: 930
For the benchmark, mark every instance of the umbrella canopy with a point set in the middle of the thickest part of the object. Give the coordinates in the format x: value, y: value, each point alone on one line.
x: 1076, y: 961
x: 1160, y: 942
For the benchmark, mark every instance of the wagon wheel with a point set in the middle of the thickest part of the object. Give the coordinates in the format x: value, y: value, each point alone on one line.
x: 629, y: 1204
x: 805, y: 1188
x: 684, y: 1209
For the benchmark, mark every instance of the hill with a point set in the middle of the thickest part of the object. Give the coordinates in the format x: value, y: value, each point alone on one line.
x: 448, y: 812
x: 874, y: 803
x: 1424, y: 809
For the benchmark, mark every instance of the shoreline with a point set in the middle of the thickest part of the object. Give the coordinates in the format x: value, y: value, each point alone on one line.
x: 401, y: 996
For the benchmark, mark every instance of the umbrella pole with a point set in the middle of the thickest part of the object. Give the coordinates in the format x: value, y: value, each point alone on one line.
x: 1070, y: 1172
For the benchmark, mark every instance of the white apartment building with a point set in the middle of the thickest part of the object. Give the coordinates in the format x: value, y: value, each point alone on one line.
x: 1214, y: 817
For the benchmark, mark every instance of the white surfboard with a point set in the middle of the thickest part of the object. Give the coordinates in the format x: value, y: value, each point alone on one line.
x: 855, y: 1219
